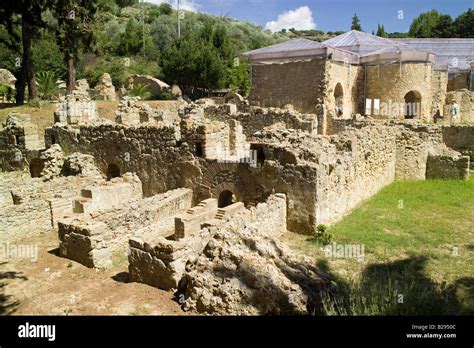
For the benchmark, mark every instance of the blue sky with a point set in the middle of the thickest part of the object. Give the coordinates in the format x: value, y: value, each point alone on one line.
x: 327, y: 15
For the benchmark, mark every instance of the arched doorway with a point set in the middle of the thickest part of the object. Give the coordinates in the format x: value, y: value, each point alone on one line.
x: 339, y: 100
x: 412, y: 104
x: 36, y: 167
x: 113, y: 171
x: 226, y: 198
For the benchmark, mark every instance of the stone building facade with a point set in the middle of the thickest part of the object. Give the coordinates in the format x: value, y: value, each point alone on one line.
x: 355, y: 73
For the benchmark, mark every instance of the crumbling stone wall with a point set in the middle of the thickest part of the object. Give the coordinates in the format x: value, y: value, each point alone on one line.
x: 256, y: 118
x: 19, y: 142
x: 439, y: 83
x: 92, y: 239
x: 460, y: 138
x: 447, y: 166
x: 303, y: 86
x: 150, y: 152
x: 162, y: 262
x: 31, y: 205
x: 356, y: 165
x: 465, y: 100
x: 458, y: 81
x: 313, y: 171
x: 350, y: 77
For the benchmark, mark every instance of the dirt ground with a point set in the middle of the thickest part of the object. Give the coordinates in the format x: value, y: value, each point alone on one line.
x: 58, y: 286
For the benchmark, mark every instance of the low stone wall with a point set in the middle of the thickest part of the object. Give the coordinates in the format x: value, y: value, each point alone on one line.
x: 17, y: 221
x: 113, y: 194
x: 161, y: 262
x: 91, y: 240
x: 460, y: 138
x: 32, y: 206
x: 447, y: 167
x: 190, y: 222
x: 257, y: 118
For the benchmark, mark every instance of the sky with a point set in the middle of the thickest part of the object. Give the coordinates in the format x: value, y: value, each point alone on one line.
x: 325, y: 15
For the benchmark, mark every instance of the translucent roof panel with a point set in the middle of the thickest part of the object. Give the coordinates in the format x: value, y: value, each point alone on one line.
x: 453, y: 53
x: 292, y: 45
x: 360, y: 42
x: 401, y: 52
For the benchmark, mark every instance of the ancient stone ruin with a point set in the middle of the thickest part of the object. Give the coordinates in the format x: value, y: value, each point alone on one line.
x: 198, y: 197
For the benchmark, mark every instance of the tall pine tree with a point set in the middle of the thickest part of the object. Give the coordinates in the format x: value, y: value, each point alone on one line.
x: 356, y: 23
x: 27, y: 15
x: 74, y: 32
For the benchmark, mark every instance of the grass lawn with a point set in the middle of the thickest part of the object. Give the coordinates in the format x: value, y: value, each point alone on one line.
x: 418, y: 239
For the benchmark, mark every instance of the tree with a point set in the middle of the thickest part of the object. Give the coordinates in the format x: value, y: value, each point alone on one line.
x: 464, y: 24
x: 239, y: 76
x: 74, y: 32
x: 198, y: 62
x: 131, y: 41
x: 165, y: 9
x: 125, y: 3
x: 356, y: 23
x: 444, y: 27
x: 423, y: 25
x: 381, y: 31
x: 29, y: 14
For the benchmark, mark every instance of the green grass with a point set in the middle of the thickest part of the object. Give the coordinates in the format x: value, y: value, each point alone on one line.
x: 418, y: 239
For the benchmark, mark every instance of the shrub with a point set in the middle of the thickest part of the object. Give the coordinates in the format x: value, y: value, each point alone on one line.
x: 6, y: 92
x: 140, y: 90
x: 321, y: 235
x: 48, y: 85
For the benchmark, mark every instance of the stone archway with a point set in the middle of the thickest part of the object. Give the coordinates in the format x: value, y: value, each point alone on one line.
x: 225, y: 199
x: 412, y: 105
x: 338, y: 100
x: 113, y: 171
x: 36, y: 167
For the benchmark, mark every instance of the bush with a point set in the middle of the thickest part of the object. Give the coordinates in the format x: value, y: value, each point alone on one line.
x: 6, y: 92
x: 48, y: 85
x: 140, y: 90
x: 36, y: 103
x: 165, y: 95
x: 321, y: 235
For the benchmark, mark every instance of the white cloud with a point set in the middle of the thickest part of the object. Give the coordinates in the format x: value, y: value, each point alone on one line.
x: 300, y: 18
x: 188, y: 5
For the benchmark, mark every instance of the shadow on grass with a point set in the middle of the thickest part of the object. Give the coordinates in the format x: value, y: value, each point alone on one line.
x: 7, y: 304
x: 399, y: 288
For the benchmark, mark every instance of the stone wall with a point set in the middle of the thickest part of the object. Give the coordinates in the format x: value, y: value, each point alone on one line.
x: 313, y: 171
x: 19, y: 142
x: 391, y: 82
x: 439, y: 83
x: 161, y: 262
x: 92, y: 239
x: 465, y: 100
x: 357, y: 164
x: 458, y: 81
x: 447, y: 167
x: 350, y: 78
x: 298, y: 83
x: 460, y: 138
x: 31, y: 206
x: 150, y: 152
x: 255, y: 119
